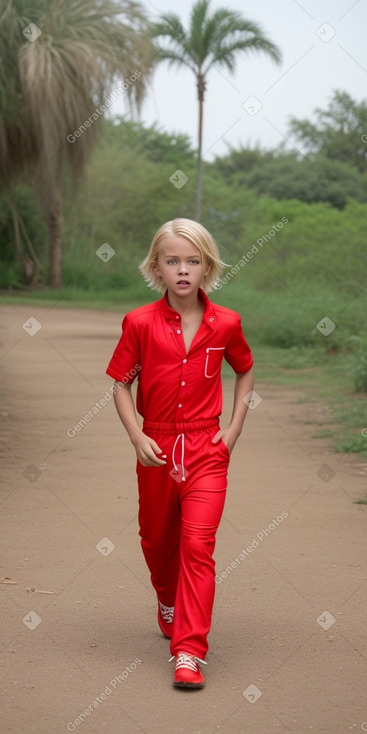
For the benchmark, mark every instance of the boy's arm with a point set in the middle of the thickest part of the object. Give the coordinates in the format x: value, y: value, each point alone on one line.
x: 146, y: 449
x: 244, y: 385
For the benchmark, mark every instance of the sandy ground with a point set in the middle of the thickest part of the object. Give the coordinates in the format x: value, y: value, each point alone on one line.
x: 288, y: 646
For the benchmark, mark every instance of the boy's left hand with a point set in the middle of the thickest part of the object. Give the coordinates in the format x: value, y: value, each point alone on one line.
x: 227, y: 436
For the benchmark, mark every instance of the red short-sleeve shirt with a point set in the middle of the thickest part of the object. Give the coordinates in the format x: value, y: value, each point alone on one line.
x: 175, y: 386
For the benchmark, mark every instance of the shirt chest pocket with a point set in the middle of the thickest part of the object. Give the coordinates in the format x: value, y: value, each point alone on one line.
x: 213, y: 360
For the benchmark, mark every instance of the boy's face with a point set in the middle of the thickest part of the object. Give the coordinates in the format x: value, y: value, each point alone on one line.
x: 181, y: 265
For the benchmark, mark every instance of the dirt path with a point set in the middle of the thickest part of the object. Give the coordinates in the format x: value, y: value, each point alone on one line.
x: 291, y: 551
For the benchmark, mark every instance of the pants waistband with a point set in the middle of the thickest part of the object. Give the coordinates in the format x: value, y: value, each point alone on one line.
x: 176, y: 428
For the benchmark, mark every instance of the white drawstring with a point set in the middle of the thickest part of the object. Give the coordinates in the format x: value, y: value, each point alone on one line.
x: 182, y: 437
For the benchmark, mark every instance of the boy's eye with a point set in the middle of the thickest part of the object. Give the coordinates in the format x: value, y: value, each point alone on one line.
x: 174, y: 262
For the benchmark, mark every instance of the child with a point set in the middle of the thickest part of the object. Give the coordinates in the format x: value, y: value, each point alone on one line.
x: 176, y: 345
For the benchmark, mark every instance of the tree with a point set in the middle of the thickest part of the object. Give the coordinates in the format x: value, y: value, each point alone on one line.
x: 159, y: 145
x: 339, y: 132
x: 284, y: 174
x: 321, y: 179
x: 62, y: 65
x: 210, y: 40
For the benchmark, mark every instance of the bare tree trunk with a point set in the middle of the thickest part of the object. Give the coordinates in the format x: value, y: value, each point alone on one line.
x: 54, y: 242
x: 199, y: 186
x: 29, y: 245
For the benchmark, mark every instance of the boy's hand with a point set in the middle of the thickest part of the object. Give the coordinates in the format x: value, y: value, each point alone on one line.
x: 228, y: 437
x: 146, y: 449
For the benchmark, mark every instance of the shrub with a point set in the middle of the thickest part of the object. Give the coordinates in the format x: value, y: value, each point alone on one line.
x: 360, y: 374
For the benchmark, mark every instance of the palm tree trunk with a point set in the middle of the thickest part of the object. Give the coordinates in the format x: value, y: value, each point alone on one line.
x: 54, y: 242
x: 199, y: 185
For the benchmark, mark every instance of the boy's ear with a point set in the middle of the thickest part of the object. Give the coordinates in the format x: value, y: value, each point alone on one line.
x: 208, y: 268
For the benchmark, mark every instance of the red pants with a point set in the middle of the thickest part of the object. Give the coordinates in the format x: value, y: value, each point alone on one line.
x: 180, y: 507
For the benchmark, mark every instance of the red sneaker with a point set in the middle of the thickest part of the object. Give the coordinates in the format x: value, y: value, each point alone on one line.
x: 165, y: 619
x: 188, y: 673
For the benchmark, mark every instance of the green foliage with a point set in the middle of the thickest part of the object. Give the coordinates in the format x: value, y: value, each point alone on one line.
x: 288, y: 176
x: 26, y: 206
x: 156, y: 145
x: 10, y: 275
x: 288, y: 329
x: 51, y: 84
x: 360, y: 372
x: 124, y: 210
x: 339, y: 133
x: 63, y: 62
x: 334, y: 170
x: 6, y: 233
x: 352, y: 445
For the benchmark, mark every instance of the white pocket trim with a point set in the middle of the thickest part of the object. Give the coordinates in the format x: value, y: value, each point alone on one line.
x: 208, y: 350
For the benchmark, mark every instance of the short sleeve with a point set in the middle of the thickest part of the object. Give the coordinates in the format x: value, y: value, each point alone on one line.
x: 125, y: 361
x: 238, y: 353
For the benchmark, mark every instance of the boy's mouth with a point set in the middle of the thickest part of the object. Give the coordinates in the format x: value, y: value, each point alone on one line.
x: 183, y: 282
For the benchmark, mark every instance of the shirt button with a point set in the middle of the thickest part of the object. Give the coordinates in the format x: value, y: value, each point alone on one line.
x: 178, y: 331
x: 184, y: 361
x: 179, y: 405
x: 177, y: 317
x: 211, y: 319
x: 183, y: 383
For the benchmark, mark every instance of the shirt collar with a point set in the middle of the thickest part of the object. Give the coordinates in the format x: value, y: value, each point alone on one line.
x: 171, y: 315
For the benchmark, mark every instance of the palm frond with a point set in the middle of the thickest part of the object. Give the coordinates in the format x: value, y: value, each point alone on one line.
x: 210, y: 39
x: 226, y: 53
x: 231, y: 33
x: 175, y: 57
x: 50, y: 86
x: 169, y: 26
x: 174, y: 45
x: 198, y: 21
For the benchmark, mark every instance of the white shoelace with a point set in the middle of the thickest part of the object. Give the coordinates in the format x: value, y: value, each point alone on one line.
x: 166, y: 612
x: 187, y: 661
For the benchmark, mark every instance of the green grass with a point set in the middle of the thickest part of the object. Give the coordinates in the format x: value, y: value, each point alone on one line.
x: 325, y: 433
x: 107, y: 300
x: 336, y: 386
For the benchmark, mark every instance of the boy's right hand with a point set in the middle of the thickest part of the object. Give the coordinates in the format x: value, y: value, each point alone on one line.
x: 146, y: 451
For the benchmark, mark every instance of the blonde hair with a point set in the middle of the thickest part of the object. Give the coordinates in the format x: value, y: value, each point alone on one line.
x: 195, y: 233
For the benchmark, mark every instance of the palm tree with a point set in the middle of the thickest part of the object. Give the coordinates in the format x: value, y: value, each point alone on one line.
x: 210, y: 41
x: 62, y: 62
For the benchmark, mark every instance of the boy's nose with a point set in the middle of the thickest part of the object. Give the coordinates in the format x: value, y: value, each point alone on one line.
x: 183, y: 269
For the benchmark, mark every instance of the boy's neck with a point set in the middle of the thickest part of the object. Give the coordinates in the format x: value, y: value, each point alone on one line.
x: 185, y: 305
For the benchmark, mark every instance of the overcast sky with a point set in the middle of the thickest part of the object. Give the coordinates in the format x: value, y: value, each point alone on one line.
x: 323, y: 43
